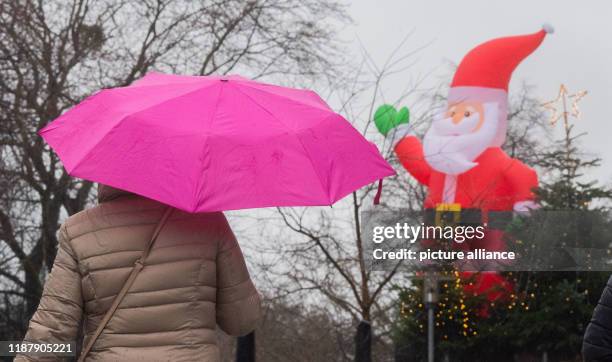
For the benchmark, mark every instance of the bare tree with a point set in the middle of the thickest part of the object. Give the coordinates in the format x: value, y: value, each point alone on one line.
x: 323, y: 262
x: 317, y: 257
x: 529, y: 134
x: 300, y: 333
x: 54, y: 53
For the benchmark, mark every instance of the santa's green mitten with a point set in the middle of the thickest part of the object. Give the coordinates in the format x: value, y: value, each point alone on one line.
x: 387, y: 118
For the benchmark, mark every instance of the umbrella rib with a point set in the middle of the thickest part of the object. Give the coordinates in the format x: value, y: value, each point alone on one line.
x: 197, y: 190
x: 293, y: 133
x: 325, y: 190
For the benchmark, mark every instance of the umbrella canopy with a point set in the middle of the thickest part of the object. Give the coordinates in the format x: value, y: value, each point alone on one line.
x: 215, y: 143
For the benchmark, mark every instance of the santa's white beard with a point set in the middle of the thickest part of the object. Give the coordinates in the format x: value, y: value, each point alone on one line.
x: 452, y: 149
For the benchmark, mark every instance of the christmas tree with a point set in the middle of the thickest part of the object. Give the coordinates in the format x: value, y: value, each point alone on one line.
x: 560, y: 303
x: 546, y: 314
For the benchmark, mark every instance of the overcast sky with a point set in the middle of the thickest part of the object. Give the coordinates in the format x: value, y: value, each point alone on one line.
x: 578, y: 54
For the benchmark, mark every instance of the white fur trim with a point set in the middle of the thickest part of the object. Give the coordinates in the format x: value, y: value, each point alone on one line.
x: 399, y: 132
x: 450, y: 189
x: 524, y: 207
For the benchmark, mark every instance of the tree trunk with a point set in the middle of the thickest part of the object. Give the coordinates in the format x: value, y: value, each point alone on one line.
x: 33, y: 291
x: 363, y: 342
x: 245, y: 348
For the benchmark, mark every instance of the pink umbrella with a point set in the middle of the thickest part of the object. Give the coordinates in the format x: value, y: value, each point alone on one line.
x: 215, y: 143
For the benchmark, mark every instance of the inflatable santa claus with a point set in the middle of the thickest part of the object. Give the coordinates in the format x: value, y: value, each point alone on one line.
x: 460, y: 159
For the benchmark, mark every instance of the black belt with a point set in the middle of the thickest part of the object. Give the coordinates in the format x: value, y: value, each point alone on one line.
x: 466, y: 217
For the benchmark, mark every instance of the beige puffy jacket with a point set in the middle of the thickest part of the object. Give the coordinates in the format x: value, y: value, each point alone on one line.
x: 194, y: 279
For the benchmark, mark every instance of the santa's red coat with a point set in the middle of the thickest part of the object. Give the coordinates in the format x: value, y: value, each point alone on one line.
x: 496, y: 183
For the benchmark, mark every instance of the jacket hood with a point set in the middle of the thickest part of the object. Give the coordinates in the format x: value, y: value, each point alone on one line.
x: 108, y: 193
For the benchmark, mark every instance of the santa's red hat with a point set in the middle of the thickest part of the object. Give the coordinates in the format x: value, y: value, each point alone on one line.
x: 484, y: 73
x: 491, y: 63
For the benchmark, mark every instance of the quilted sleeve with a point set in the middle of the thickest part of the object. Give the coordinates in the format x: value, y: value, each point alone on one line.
x: 59, y: 313
x: 238, y: 302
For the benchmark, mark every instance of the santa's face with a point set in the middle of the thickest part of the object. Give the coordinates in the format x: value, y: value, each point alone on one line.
x: 460, y: 135
x: 465, y: 114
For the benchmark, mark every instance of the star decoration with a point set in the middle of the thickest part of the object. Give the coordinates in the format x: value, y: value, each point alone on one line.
x: 576, y: 98
x: 562, y: 98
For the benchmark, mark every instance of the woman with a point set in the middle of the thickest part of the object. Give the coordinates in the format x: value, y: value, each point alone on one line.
x: 194, y: 278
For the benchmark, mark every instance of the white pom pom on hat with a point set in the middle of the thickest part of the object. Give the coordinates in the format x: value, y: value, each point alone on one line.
x: 549, y: 29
